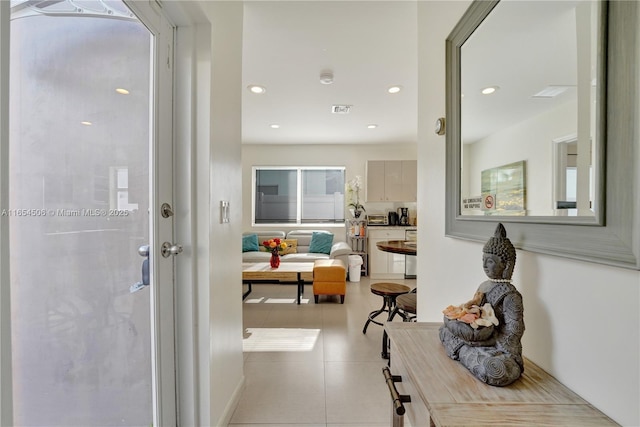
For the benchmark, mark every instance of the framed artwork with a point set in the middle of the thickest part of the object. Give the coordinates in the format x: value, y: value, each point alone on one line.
x: 504, y: 190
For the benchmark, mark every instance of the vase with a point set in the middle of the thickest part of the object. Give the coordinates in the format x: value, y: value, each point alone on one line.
x: 275, y: 260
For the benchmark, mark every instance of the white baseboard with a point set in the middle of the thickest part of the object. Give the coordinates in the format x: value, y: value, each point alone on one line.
x: 225, y: 419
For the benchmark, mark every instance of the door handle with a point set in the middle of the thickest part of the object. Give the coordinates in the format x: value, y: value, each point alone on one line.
x: 167, y: 249
x: 397, y: 399
x: 144, y: 252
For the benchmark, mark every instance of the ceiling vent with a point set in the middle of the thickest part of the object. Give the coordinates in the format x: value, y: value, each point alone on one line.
x: 551, y: 91
x: 340, y: 109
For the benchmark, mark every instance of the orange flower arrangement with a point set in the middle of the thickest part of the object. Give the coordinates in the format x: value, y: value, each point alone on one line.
x: 274, y: 245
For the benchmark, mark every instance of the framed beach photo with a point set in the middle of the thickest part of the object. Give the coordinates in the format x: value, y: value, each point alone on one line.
x: 504, y: 190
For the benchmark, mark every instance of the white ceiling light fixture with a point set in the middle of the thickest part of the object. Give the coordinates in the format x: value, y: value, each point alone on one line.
x: 372, y: 126
x: 326, y: 77
x: 86, y: 123
x: 122, y: 91
x: 257, y: 89
x: 394, y: 89
x: 490, y: 89
x: 274, y: 126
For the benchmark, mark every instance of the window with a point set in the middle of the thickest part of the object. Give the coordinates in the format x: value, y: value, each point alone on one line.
x: 298, y: 195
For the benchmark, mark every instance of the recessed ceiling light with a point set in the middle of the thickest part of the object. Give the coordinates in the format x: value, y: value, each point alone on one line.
x: 489, y: 90
x: 86, y: 123
x: 394, y: 89
x: 274, y: 126
x: 372, y: 126
x: 122, y: 91
x: 257, y: 89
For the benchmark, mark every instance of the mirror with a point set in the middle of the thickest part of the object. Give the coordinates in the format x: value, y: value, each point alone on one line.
x: 534, y: 155
x: 529, y: 81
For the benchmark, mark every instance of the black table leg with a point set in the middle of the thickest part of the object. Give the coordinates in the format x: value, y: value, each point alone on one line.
x: 244, y: 295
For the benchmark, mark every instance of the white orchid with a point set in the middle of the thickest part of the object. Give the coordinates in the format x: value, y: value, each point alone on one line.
x: 353, y: 193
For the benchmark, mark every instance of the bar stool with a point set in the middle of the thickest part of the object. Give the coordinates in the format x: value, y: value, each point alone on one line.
x: 406, y: 308
x: 389, y: 292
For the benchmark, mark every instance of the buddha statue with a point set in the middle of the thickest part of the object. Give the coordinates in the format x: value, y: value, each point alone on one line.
x: 484, y: 333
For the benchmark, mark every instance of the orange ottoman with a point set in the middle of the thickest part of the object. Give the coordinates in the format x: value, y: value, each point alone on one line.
x: 329, y: 278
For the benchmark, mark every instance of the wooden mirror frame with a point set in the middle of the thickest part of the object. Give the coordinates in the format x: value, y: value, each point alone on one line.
x: 613, y: 236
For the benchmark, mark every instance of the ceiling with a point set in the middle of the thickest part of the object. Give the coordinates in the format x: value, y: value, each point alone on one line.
x: 369, y: 46
x: 540, y: 52
x: 372, y: 45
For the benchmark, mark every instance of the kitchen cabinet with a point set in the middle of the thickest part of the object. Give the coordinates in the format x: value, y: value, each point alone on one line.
x: 385, y: 265
x: 375, y: 181
x: 392, y: 181
x: 409, y: 191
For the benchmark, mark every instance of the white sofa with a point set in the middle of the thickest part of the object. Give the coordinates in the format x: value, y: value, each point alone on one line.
x: 339, y: 250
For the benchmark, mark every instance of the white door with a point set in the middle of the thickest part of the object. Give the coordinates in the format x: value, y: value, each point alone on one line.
x: 89, y: 167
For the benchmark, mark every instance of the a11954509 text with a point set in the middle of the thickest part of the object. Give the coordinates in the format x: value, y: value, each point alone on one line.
x: 84, y: 212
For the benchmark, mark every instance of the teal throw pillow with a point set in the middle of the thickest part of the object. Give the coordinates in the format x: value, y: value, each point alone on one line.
x: 321, y: 243
x: 250, y: 243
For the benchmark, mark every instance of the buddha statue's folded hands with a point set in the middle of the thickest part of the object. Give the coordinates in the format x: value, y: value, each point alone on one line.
x: 471, y: 322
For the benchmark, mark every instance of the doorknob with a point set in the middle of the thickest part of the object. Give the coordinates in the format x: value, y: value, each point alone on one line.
x: 144, y: 252
x: 167, y: 249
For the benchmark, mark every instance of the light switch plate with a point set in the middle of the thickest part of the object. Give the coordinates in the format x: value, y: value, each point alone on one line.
x: 224, y: 211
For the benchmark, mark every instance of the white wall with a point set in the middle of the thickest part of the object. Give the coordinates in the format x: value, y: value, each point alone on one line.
x: 530, y: 140
x: 582, y: 319
x: 217, y: 174
x: 352, y: 157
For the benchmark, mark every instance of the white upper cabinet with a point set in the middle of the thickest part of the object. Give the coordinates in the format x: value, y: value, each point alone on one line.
x: 392, y: 180
x: 375, y: 181
x: 409, y: 181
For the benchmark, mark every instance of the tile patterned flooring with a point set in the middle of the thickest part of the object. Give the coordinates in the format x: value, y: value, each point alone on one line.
x: 310, y: 365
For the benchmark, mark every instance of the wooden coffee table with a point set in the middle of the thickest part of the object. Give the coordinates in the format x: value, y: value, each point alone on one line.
x: 288, y: 272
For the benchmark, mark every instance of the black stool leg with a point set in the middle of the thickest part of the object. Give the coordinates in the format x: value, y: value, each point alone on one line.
x: 373, y: 314
x: 385, y: 345
x: 385, y: 337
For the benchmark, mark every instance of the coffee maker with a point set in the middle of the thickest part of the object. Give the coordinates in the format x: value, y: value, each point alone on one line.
x: 393, y: 218
x: 403, y: 216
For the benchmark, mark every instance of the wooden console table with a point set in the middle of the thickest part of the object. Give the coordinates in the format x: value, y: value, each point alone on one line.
x: 445, y: 393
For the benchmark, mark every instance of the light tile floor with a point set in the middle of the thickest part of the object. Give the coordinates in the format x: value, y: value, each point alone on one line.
x: 310, y: 365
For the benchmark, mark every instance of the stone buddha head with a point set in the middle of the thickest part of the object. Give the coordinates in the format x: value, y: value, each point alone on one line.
x: 499, y: 255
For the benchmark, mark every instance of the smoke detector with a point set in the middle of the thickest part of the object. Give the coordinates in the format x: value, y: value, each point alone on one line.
x: 326, y: 77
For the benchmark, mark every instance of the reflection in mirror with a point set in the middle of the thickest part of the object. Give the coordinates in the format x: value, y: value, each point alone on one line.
x: 611, y: 235
x: 529, y: 95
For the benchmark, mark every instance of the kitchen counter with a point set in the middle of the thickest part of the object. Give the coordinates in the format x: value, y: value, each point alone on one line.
x: 392, y: 227
x: 402, y: 247
x: 382, y: 264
